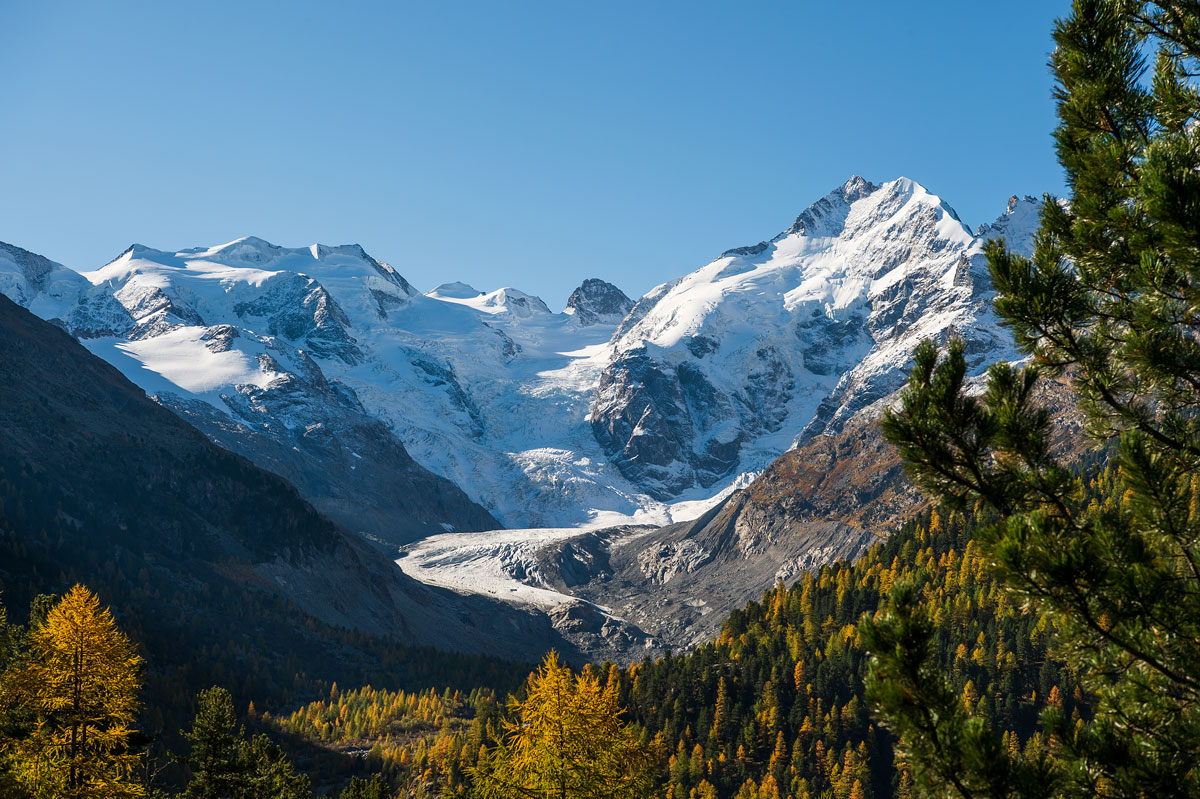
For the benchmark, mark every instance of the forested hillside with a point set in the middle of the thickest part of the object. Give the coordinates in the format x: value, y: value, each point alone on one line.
x: 774, y: 707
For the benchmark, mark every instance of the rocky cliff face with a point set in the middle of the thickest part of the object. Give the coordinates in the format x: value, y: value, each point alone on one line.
x: 599, y: 302
x: 828, y: 499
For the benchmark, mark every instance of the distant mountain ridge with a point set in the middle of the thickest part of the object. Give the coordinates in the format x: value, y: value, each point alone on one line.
x: 326, y: 366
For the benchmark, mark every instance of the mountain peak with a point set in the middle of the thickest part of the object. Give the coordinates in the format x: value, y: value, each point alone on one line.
x: 515, y: 301
x: 251, y: 241
x: 1021, y: 219
x: 248, y: 249
x: 825, y: 216
x: 136, y: 249
x: 598, y: 301
x: 857, y: 187
x: 456, y: 290
x: 504, y: 300
x: 822, y: 217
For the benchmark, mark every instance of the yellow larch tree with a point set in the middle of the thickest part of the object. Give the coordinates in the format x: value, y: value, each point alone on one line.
x: 566, y: 741
x: 79, y: 685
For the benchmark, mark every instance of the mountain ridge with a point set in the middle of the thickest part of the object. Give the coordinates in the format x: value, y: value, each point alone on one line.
x: 634, y: 412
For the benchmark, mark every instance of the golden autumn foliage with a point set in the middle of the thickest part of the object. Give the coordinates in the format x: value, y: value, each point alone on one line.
x: 567, y: 742
x: 79, y: 687
x: 428, y: 739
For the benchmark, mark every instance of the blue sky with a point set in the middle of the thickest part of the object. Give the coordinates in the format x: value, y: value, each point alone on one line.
x: 530, y: 144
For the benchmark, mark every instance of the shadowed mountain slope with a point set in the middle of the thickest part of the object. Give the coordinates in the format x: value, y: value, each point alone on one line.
x: 200, y: 551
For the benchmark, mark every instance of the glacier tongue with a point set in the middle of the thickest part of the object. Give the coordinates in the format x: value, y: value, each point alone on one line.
x: 609, y: 412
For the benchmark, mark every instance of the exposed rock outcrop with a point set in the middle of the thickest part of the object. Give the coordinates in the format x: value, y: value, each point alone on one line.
x: 599, y: 302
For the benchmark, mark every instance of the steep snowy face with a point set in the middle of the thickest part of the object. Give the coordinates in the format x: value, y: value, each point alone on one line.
x: 283, y: 292
x: 25, y: 276
x: 46, y: 288
x: 217, y: 323
x: 598, y: 302
x: 776, y: 342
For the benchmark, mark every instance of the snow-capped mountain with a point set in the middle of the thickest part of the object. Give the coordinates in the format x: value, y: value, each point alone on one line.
x: 720, y: 371
x: 237, y: 350
x: 327, y: 366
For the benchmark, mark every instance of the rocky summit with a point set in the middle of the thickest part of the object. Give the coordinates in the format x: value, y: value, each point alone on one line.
x: 598, y: 302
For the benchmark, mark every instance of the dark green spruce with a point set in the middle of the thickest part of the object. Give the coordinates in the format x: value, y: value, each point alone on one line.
x: 1110, y: 299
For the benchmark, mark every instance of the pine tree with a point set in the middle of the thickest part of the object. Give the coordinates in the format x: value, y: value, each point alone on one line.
x: 568, y: 742
x: 270, y: 774
x: 225, y: 766
x: 218, y: 767
x: 79, y: 685
x: 1111, y: 302
x: 373, y: 788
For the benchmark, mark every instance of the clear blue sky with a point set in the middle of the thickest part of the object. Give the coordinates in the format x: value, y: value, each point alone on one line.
x: 530, y: 144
